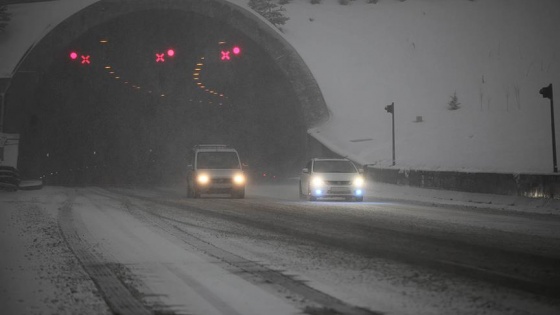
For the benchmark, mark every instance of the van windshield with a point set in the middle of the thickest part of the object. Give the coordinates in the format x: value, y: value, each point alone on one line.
x: 217, y: 160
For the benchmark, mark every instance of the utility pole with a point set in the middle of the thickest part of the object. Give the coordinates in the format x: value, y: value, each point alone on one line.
x: 391, y: 109
x: 546, y: 92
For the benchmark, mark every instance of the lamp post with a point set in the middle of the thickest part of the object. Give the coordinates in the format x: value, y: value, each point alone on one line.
x: 391, y: 110
x: 546, y: 92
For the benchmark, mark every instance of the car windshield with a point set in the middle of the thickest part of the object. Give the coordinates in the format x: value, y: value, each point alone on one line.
x: 217, y: 160
x: 334, y: 167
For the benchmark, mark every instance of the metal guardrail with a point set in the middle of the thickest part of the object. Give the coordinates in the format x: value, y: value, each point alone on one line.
x: 526, y: 185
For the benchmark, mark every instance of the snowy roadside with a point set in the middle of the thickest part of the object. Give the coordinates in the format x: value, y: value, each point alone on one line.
x: 39, y: 274
x: 380, y: 192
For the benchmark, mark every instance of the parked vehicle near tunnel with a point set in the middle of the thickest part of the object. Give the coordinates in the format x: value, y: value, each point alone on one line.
x: 215, y: 169
x: 329, y: 178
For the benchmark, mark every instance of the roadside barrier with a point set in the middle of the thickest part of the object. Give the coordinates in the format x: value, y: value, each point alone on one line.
x: 526, y: 185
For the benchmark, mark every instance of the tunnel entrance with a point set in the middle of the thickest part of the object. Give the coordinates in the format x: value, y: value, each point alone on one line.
x: 124, y: 100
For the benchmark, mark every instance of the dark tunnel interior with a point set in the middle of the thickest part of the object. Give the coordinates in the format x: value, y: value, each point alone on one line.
x: 126, y: 110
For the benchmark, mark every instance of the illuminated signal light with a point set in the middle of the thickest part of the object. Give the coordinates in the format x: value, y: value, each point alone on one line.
x: 73, y: 55
x: 225, y: 55
x: 171, y: 52
x: 236, y: 50
x: 85, y: 59
x: 159, y: 57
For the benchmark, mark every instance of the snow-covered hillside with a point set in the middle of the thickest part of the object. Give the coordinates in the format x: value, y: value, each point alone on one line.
x: 495, y: 55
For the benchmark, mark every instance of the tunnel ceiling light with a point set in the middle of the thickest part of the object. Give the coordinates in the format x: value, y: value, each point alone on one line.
x: 117, y: 78
x: 107, y: 67
x: 103, y: 41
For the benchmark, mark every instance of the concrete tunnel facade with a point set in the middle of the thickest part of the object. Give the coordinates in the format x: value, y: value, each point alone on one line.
x: 35, y: 66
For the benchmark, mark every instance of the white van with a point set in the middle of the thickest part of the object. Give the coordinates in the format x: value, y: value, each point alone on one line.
x: 215, y: 169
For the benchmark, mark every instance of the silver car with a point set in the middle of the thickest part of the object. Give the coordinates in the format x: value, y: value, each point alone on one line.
x: 326, y: 178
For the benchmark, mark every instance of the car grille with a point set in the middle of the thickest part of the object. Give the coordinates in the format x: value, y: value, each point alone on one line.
x: 221, y: 180
x: 338, y: 182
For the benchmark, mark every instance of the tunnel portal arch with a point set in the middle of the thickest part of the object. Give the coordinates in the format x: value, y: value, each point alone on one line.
x: 312, y: 103
x: 297, y: 76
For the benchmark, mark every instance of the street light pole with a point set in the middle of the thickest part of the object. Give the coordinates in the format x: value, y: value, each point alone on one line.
x: 391, y: 109
x: 546, y: 92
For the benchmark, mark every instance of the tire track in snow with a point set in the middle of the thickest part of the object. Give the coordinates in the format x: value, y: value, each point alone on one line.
x: 118, y: 297
x: 317, y: 302
x: 389, y: 243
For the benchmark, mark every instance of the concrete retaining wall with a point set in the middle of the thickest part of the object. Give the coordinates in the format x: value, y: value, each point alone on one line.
x: 527, y: 185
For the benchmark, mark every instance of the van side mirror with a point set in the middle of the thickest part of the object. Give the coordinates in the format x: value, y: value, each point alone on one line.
x: 305, y: 170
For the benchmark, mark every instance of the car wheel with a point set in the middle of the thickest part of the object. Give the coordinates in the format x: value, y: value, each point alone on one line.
x: 310, y: 197
x: 301, y: 195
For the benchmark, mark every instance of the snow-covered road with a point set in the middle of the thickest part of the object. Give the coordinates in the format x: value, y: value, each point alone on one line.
x: 95, y: 251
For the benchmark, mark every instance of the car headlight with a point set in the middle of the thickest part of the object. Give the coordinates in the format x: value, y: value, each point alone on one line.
x: 239, y: 179
x: 203, y: 179
x: 317, y: 182
x: 358, y: 182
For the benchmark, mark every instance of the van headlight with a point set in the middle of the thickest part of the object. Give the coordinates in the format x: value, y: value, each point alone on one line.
x: 358, y: 182
x: 317, y: 182
x: 239, y: 179
x: 203, y: 179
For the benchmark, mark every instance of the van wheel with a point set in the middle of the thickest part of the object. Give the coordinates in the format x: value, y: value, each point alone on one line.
x: 238, y: 194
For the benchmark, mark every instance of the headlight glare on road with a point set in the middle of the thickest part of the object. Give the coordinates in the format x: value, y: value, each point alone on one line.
x: 239, y: 179
x: 203, y: 179
x: 317, y: 182
x: 358, y: 182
